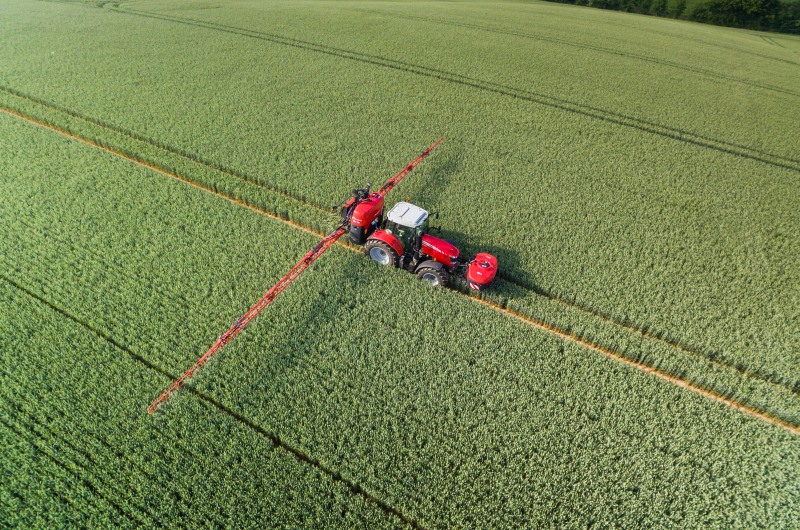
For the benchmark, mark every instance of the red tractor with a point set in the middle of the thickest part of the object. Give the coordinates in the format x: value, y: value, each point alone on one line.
x: 402, y: 239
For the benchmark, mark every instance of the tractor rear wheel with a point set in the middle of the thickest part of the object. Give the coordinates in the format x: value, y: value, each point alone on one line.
x: 380, y: 252
x: 436, y: 276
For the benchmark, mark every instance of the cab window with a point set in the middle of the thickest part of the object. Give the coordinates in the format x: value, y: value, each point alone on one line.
x: 404, y: 234
x: 423, y: 228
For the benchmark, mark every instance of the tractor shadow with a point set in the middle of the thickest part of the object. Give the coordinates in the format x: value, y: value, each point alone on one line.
x: 511, y: 282
x: 433, y: 189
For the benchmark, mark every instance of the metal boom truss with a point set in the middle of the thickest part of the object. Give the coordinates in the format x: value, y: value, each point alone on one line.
x: 270, y: 295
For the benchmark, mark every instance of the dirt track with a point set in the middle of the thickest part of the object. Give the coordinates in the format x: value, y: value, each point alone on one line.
x: 561, y: 333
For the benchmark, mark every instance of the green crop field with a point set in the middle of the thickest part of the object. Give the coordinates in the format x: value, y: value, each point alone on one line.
x: 162, y: 164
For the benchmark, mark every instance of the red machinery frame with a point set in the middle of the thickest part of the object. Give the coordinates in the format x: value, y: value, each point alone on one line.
x: 282, y: 284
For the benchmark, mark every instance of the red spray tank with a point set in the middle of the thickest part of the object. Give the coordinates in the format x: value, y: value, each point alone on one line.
x: 481, y: 271
x: 432, y: 259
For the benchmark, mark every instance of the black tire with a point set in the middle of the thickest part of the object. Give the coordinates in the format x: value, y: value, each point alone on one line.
x: 380, y: 252
x: 433, y: 273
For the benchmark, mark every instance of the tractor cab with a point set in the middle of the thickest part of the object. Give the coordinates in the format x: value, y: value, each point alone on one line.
x: 403, y: 241
x: 407, y: 222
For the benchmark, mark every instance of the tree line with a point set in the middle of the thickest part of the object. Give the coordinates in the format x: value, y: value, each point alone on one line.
x: 766, y: 15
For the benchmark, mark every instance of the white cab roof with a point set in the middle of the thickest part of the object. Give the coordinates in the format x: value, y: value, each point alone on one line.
x: 407, y: 214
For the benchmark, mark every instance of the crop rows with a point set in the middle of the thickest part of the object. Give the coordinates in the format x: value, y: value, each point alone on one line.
x: 588, y: 111
x: 681, y: 240
x: 471, y: 24
x: 763, y: 392
x: 419, y: 408
x: 83, y: 411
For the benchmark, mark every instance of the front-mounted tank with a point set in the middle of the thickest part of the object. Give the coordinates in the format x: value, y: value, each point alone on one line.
x: 481, y: 271
x: 402, y: 240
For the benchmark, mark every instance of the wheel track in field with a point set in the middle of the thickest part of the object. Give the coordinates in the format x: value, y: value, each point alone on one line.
x: 175, y: 443
x: 617, y: 356
x: 530, y: 96
x: 658, y: 336
x: 662, y: 337
x: 79, y: 459
x: 92, y: 502
x: 191, y: 157
x: 71, y: 472
x: 591, y: 47
x: 542, y: 393
x: 769, y: 40
x: 57, y: 414
x: 134, y: 159
x: 541, y: 324
x: 161, y: 294
x: 299, y: 455
x: 711, y: 43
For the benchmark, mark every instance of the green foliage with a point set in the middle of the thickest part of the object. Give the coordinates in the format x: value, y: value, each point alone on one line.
x: 768, y: 15
x: 113, y: 274
x: 754, y: 14
x: 659, y: 8
x: 606, y: 165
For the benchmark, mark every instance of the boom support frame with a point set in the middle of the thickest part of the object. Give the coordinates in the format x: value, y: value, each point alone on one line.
x: 282, y: 284
x: 245, y: 319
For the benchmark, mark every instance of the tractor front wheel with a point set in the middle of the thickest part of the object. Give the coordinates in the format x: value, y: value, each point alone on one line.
x: 380, y: 252
x: 434, y: 274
